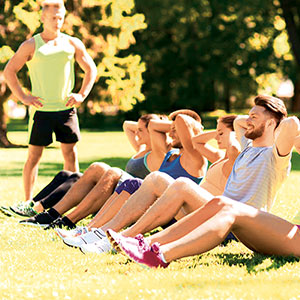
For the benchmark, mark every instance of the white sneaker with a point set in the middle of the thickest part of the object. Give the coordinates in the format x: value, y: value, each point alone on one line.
x: 101, y: 246
x: 63, y: 233
x: 90, y: 237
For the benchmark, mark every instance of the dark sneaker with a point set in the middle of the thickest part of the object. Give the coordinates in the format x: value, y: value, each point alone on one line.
x: 42, y: 219
x: 61, y: 222
x: 23, y: 209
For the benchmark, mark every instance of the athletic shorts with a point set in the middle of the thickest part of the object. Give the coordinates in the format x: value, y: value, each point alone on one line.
x: 130, y: 185
x: 63, y: 123
x: 123, y: 177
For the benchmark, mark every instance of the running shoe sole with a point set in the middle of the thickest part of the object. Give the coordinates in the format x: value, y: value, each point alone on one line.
x: 6, y: 211
x: 114, y: 244
x: 33, y: 224
x: 10, y: 212
x: 72, y: 246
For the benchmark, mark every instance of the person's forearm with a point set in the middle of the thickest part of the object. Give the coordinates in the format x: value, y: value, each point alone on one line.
x: 160, y: 125
x: 241, y: 122
x: 88, y: 82
x: 204, y: 137
x: 130, y: 125
x: 286, y: 133
x: 14, y: 85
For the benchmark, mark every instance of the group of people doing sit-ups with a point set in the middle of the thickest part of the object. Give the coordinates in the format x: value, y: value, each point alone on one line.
x: 166, y: 184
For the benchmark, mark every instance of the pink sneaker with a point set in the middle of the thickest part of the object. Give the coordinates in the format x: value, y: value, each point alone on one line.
x: 139, y: 250
x: 117, y: 239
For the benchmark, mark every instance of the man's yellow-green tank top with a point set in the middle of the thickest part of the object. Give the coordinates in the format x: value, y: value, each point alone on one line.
x: 51, y: 71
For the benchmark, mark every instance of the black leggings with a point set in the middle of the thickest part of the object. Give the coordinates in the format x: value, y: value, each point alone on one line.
x: 57, y: 188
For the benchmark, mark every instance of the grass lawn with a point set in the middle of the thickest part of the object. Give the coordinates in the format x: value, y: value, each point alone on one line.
x: 35, y: 264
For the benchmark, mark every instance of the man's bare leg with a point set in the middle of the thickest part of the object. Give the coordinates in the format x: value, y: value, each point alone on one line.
x: 95, y: 199
x: 152, y: 187
x: 109, y: 209
x: 30, y: 170
x: 208, y: 227
x: 183, y: 193
x: 82, y: 187
x: 69, y: 152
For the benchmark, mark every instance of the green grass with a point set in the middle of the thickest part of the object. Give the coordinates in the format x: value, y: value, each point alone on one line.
x: 35, y: 264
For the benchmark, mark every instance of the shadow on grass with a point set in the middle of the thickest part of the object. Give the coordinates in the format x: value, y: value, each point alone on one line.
x: 51, y: 169
x: 254, y: 263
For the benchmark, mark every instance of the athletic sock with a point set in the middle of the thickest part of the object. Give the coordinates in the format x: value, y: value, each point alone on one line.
x: 163, y: 258
x: 53, y: 213
x: 68, y: 222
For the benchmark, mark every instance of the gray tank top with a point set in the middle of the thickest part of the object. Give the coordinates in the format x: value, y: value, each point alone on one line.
x: 137, y: 167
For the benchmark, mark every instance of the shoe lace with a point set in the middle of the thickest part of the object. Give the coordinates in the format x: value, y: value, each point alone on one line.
x: 142, y: 243
x: 28, y: 210
x: 155, y: 248
x: 57, y: 223
x: 80, y: 231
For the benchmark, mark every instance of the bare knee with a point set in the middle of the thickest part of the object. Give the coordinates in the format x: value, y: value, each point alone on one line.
x: 114, y: 174
x: 96, y: 170
x: 158, y: 181
x: 225, y: 208
x: 182, y: 184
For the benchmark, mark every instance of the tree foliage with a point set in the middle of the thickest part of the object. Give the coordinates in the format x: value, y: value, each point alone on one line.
x: 208, y: 54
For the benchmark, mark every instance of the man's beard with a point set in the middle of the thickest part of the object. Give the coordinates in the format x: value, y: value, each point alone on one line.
x: 256, y: 133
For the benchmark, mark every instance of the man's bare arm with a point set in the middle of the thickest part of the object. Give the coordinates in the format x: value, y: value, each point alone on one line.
x: 287, y: 131
x: 87, y: 64
x: 240, y: 126
x: 15, y: 64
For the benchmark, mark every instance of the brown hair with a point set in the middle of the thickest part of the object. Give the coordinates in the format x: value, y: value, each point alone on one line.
x: 228, y: 121
x: 148, y: 117
x: 274, y: 106
x: 188, y: 112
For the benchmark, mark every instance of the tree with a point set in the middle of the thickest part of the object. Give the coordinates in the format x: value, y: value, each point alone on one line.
x: 291, y: 14
x: 206, y: 54
x: 106, y: 27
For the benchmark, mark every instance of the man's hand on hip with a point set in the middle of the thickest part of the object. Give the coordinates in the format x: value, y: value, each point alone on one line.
x: 74, y: 100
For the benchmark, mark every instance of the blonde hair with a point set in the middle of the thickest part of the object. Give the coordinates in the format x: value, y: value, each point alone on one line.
x: 59, y: 3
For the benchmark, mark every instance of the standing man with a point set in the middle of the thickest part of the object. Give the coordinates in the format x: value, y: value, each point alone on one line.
x: 50, y: 58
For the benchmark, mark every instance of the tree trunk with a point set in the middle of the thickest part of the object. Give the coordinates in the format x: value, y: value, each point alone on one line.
x: 227, y: 96
x: 4, y: 142
x: 296, y: 98
x: 4, y: 92
x: 290, y: 10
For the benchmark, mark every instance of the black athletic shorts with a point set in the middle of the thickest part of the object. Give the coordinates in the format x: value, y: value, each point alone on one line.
x: 63, y: 123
